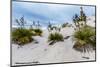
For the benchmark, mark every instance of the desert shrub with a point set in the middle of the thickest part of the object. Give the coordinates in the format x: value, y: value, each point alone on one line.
x: 33, y: 32
x: 79, y: 46
x: 22, y: 36
x: 85, y: 36
x: 21, y: 22
x: 55, y: 37
x: 38, y: 32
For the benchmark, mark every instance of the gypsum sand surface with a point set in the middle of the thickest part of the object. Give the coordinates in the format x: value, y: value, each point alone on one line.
x: 42, y: 53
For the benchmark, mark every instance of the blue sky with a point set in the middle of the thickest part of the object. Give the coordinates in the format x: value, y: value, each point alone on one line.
x: 55, y: 13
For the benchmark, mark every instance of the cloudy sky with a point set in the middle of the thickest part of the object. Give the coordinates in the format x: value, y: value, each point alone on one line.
x: 43, y: 12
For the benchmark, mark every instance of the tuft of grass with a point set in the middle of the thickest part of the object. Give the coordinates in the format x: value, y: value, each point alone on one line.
x: 22, y: 36
x: 85, y: 36
x: 55, y: 37
x: 32, y: 30
x: 36, y: 32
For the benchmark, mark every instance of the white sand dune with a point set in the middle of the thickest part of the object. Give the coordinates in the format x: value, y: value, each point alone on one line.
x: 44, y: 53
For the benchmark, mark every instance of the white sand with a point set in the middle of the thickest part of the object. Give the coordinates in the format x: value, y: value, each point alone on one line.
x: 44, y: 53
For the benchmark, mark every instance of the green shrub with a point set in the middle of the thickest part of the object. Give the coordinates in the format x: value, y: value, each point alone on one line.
x: 85, y: 36
x: 37, y: 32
x: 22, y: 36
x: 55, y: 37
x: 79, y: 46
x: 33, y: 32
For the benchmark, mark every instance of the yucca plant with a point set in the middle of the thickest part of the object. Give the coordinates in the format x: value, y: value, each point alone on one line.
x: 22, y: 36
x: 21, y: 22
x: 55, y: 37
x: 85, y: 39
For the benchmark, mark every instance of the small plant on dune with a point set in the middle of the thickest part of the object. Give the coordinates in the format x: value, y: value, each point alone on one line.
x: 85, y: 37
x: 55, y: 37
x: 38, y: 32
x: 80, y: 21
x: 32, y: 30
x: 22, y: 36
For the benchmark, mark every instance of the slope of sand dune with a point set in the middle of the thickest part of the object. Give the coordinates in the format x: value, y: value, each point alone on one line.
x: 41, y: 52
x: 44, y: 53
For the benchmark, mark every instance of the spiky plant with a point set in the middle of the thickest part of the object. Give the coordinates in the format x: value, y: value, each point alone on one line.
x: 55, y: 37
